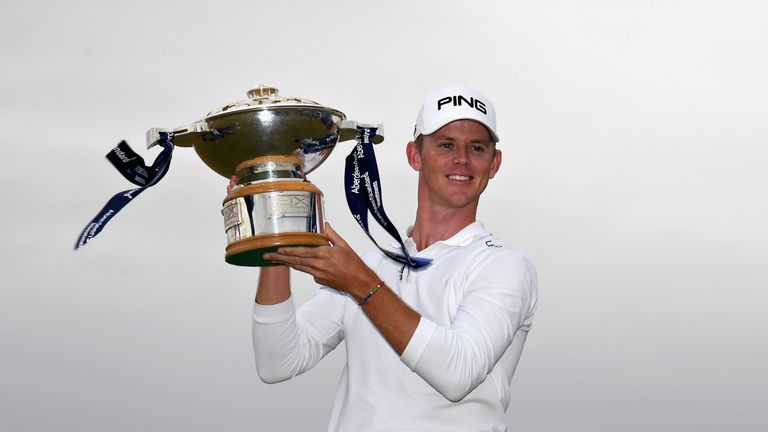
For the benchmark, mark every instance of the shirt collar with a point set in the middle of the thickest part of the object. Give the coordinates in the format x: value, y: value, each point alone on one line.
x: 464, y: 237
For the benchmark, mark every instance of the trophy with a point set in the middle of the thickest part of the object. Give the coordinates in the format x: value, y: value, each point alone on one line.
x: 270, y: 143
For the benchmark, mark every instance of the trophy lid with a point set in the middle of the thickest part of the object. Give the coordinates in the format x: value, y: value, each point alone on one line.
x: 262, y: 97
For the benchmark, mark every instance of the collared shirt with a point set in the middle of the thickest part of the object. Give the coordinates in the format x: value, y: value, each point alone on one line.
x: 476, y: 302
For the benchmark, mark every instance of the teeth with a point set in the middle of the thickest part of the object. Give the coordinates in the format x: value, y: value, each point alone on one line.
x: 458, y: 177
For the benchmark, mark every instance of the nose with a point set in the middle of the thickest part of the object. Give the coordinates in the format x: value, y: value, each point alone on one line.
x: 461, y: 156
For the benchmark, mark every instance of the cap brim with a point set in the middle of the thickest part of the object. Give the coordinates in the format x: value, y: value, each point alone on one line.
x: 437, y: 127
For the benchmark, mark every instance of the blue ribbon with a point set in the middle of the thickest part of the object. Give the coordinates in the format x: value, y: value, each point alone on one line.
x: 132, y: 167
x: 363, y: 189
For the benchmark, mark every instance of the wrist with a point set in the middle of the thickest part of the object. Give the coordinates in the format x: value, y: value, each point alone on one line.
x: 364, y: 299
x: 363, y: 285
x: 274, y: 285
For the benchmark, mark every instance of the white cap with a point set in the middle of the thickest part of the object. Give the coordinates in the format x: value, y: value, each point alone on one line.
x: 455, y: 102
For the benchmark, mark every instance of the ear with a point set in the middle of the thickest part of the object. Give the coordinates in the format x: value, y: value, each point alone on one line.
x: 495, y: 164
x: 414, y: 158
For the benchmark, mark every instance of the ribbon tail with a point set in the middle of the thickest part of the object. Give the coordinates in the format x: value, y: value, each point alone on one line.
x: 110, y: 209
x: 132, y: 167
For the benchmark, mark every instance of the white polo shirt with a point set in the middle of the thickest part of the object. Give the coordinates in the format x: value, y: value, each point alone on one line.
x: 476, y: 299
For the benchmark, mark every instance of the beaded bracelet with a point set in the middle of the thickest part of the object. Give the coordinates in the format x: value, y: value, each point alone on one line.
x: 373, y: 291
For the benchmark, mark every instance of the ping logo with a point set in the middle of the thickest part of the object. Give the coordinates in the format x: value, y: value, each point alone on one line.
x: 460, y: 100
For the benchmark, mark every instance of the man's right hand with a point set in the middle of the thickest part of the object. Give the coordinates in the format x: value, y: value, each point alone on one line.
x: 232, y: 183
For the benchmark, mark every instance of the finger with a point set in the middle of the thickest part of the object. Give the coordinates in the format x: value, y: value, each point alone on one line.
x: 291, y: 260
x: 308, y: 252
x: 282, y: 258
x: 276, y: 257
x: 329, y: 233
x: 303, y: 269
x: 334, y: 237
x: 270, y: 256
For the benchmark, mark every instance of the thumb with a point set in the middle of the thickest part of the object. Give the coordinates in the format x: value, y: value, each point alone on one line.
x: 333, y: 236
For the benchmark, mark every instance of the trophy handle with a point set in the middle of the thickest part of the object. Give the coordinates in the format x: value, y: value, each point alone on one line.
x: 183, y: 136
x: 349, y: 130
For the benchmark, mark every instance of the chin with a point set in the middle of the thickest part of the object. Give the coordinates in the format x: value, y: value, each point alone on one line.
x: 459, y: 202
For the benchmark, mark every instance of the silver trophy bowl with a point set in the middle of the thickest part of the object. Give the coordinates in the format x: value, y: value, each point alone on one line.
x: 270, y: 143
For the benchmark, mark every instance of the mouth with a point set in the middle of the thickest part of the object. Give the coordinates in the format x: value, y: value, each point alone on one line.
x: 459, y: 177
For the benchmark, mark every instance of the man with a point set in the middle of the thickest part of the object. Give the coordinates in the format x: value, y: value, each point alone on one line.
x: 428, y: 349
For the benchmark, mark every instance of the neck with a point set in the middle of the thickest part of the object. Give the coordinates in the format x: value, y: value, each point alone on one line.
x: 434, y: 225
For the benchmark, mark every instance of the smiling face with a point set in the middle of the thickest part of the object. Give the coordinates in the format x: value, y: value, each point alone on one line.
x: 454, y: 164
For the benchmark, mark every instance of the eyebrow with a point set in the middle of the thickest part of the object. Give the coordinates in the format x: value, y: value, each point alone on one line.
x: 450, y: 138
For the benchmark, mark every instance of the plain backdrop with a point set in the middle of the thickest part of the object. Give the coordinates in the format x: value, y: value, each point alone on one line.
x: 634, y: 141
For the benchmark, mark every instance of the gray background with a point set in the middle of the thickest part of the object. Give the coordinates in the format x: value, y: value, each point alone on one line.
x: 634, y: 138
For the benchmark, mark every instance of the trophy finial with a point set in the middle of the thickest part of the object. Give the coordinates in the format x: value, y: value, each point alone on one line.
x: 262, y: 91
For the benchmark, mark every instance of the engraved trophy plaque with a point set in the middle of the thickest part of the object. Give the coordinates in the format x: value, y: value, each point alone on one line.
x: 270, y: 143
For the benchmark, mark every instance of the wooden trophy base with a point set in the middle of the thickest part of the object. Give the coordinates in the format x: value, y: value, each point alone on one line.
x: 248, y: 252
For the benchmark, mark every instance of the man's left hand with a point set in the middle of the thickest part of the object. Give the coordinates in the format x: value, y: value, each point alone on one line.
x: 336, y: 266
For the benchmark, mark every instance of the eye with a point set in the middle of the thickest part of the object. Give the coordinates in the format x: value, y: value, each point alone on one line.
x: 446, y: 145
x: 478, y: 148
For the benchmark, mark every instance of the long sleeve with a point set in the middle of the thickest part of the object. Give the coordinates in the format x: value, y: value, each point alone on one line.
x: 493, y: 318
x: 287, y: 342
